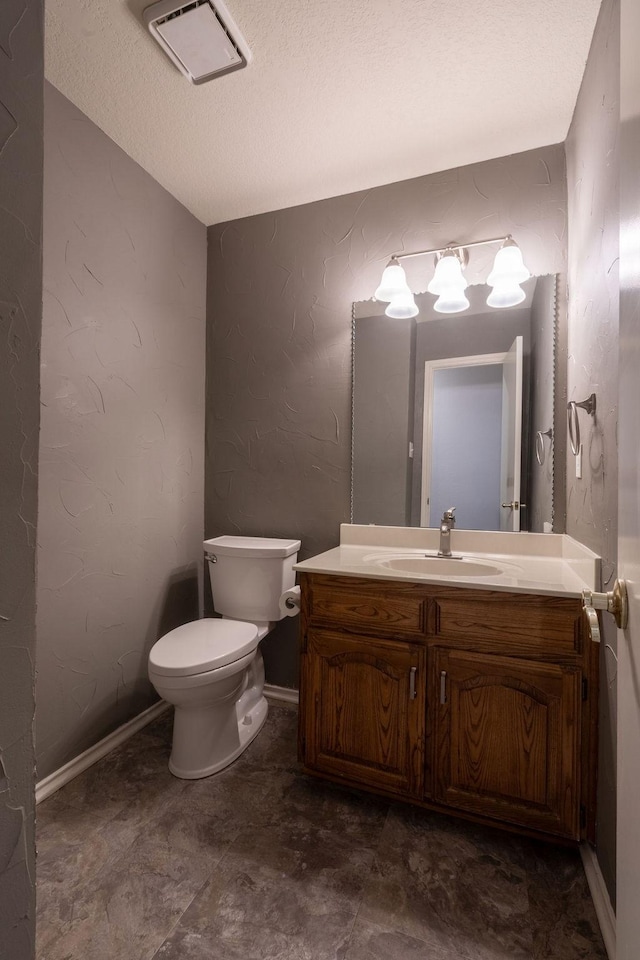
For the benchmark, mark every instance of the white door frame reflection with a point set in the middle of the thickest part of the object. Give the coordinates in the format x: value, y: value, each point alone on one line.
x: 472, y: 439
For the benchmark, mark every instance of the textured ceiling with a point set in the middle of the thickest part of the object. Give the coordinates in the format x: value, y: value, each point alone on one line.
x: 341, y: 94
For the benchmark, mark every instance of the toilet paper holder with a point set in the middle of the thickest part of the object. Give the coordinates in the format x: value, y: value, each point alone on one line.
x: 290, y: 602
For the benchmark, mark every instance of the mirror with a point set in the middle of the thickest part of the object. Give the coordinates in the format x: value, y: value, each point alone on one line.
x: 457, y: 410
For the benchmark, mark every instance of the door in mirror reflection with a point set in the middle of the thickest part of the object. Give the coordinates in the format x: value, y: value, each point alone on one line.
x: 511, y: 445
x: 472, y: 431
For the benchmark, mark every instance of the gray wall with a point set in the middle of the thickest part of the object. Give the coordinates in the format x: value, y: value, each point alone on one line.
x: 382, y: 419
x: 280, y: 289
x: 121, y: 446
x: 592, y: 502
x: 21, y: 65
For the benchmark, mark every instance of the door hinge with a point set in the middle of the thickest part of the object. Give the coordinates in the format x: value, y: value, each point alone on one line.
x: 583, y: 816
x: 585, y: 688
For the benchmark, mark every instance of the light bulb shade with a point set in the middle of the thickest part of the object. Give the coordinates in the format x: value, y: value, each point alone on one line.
x: 451, y: 301
x: 448, y: 275
x: 508, y: 266
x: 393, y: 282
x: 402, y: 307
x: 506, y: 295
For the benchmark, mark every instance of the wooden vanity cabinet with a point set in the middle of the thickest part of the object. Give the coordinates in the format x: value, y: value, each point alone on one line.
x: 506, y: 739
x: 480, y: 702
x: 367, y: 719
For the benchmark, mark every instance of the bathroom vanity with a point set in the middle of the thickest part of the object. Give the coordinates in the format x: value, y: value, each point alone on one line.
x: 471, y: 690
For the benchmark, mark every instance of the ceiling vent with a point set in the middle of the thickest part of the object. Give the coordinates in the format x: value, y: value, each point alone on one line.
x: 201, y: 37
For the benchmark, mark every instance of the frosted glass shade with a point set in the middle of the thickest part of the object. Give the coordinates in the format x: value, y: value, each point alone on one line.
x: 393, y: 283
x: 448, y: 275
x: 508, y: 266
x: 402, y: 307
x: 449, y: 284
x: 451, y: 301
x: 506, y: 295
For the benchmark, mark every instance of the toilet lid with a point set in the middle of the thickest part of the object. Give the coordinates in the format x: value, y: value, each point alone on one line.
x: 202, y: 645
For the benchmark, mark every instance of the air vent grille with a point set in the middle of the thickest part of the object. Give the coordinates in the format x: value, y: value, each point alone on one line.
x: 200, y: 38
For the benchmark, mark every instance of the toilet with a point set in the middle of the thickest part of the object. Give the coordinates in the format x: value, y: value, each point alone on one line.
x: 211, y: 670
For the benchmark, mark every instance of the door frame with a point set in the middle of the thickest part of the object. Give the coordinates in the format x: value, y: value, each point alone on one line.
x: 512, y: 430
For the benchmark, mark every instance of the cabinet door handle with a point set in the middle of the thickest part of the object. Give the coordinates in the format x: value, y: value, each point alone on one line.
x: 443, y: 686
x: 412, y: 683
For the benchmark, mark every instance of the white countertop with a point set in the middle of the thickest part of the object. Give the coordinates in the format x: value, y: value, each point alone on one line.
x: 548, y: 564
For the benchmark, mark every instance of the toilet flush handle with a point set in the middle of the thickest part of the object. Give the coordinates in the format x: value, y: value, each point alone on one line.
x: 211, y: 557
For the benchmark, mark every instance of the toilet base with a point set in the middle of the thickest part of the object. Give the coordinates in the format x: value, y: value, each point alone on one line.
x: 248, y: 722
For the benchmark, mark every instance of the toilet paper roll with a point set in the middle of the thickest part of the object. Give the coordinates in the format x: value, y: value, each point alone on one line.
x: 289, y: 602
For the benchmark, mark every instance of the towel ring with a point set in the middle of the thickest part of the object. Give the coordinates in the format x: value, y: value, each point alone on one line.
x: 540, y: 451
x: 574, y: 424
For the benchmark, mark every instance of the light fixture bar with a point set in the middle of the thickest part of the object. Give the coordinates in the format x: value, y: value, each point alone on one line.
x: 450, y: 246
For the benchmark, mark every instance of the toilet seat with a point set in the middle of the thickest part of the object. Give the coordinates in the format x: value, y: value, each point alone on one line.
x: 202, y: 646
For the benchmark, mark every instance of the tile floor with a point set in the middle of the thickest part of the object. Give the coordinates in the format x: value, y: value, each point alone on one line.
x: 261, y: 862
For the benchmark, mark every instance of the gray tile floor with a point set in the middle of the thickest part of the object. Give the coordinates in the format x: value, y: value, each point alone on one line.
x: 261, y: 862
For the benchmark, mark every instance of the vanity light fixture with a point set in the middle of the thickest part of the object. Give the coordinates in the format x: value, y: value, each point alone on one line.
x: 402, y: 306
x: 508, y: 273
x: 448, y: 282
x: 395, y: 291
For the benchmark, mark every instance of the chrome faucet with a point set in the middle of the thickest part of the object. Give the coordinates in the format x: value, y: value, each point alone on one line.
x: 447, y: 524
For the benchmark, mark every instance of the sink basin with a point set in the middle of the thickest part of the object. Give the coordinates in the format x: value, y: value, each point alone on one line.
x: 428, y: 565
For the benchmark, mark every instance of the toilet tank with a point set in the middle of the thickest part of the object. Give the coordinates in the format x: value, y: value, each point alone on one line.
x: 249, y: 574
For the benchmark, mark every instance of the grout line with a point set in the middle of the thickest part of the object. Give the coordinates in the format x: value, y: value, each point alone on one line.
x: 179, y: 920
x: 347, y: 940
x: 373, y: 862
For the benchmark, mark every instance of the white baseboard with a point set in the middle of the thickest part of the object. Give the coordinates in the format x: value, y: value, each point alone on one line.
x: 600, y: 896
x: 79, y: 764
x: 57, y: 779
x: 286, y: 694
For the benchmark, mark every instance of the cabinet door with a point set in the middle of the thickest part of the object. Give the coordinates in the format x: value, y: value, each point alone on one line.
x: 507, y: 740
x: 364, y: 710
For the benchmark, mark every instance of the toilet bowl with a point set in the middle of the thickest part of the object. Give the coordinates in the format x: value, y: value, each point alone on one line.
x: 211, y: 670
x: 202, y: 668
